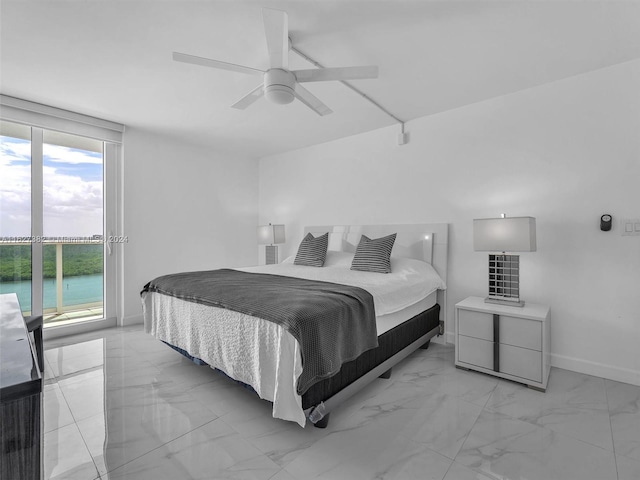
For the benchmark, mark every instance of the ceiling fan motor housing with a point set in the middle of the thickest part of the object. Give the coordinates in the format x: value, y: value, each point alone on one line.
x: 279, y: 86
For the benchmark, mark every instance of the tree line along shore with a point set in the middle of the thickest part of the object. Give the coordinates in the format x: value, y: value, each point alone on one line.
x: 15, y: 261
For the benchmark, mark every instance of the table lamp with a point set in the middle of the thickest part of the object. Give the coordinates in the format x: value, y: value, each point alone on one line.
x: 271, y: 235
x: 505, y: 234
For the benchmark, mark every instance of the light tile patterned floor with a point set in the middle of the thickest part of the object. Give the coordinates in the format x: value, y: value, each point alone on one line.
x: 121, y: 405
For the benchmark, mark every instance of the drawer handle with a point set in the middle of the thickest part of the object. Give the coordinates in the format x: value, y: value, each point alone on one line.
x: 496, y: 343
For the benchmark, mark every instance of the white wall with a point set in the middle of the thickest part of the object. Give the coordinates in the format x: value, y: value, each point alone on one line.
x: 185, y: 208
x: 565, y: 153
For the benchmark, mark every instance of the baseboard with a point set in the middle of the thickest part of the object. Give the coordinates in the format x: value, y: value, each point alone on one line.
x: 132, y: 320
x: 624, y: 375
x: 447, y: 339
x: 451, y: 337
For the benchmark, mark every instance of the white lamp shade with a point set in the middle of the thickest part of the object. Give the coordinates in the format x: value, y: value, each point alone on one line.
x: 270, y: 234
x: 511, y: 234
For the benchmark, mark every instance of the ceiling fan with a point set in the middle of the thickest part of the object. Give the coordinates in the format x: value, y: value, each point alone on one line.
x: 281, y: 85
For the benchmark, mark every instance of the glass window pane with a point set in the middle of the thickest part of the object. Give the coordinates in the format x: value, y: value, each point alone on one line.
x: 15, y: 211
x: 73, y: 218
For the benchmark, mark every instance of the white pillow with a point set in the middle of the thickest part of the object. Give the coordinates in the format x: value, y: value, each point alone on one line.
x: 405, y: 266
x: 333, y: 259
x: 338, y: 259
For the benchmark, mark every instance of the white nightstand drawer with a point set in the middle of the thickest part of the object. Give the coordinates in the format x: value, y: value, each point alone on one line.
x: 516, y: 361
x: 475, y: 351
x: 475, y: 324
x: 521, y: 362
x: 521, y: 332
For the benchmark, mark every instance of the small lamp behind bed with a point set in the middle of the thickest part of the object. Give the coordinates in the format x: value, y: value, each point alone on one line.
x: 514, y: 234
x: 271, y: 235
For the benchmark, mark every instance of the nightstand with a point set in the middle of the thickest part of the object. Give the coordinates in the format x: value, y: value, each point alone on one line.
x: 508, y: 342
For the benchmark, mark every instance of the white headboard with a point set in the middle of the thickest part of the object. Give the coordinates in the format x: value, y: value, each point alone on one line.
x: 428, y: 242
x: 424, y: 241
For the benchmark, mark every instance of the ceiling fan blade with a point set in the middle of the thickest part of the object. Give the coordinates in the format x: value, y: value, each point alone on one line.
x: 311, y: 101
x: 249, y: 98
x: 276, y: 29
x: 339, y: 73
x: 208, y: 62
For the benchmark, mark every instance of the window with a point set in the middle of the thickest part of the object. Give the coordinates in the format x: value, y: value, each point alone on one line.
x: 58, y: 184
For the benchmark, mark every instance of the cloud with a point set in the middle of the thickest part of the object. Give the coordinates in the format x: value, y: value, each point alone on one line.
x: 73, y: 205
x: 71, y: 156
x: 15, y: 197
x: 15, y: 151
x: 18, y: 150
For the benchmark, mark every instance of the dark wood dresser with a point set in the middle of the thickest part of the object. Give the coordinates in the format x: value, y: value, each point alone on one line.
x: 20, y: 396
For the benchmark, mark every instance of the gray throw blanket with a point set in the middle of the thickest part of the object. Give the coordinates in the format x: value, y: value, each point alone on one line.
x: 333, y: 323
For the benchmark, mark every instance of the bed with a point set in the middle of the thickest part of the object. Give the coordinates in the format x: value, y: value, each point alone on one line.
x: 409, y: 310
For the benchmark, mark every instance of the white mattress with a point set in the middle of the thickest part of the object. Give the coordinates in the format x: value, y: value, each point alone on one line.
x: 263, y: 354
x: 384, y: 323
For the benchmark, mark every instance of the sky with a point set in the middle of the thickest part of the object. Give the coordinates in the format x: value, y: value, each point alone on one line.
x: 72, y: 191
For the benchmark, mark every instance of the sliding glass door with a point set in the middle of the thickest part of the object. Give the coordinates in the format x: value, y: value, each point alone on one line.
x: 54, y: 250
x: 15, y: 212
x: 72, y: 227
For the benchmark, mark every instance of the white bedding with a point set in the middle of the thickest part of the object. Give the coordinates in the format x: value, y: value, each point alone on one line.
x: 409, y: 281
x: 264, y: 355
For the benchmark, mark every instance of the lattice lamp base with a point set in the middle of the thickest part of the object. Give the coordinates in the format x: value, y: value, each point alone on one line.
x: 504, y: 280
x: 271, y: 254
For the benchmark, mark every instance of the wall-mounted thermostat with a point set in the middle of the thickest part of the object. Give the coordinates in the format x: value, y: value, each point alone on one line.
x: 605, y: 222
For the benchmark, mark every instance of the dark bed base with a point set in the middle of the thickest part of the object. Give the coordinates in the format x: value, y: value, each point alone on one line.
x: 393, y: 347
x: 387, y: 375
x: 389, y: 344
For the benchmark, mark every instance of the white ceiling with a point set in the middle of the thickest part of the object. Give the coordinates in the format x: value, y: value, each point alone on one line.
x: 112, y: 59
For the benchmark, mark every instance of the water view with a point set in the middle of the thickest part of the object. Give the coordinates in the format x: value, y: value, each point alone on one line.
x: 80, y: 290
x: 70, y: 219
x: 80, y: 266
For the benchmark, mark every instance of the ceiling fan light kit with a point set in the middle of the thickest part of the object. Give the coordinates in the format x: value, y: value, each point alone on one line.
x: 279, y: 86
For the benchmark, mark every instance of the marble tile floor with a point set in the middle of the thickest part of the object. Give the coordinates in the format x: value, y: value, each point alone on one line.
x: 119, y: 404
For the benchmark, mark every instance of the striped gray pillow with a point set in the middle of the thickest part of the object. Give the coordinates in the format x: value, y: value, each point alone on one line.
x: 374, y: 255
x: 312, y: 251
